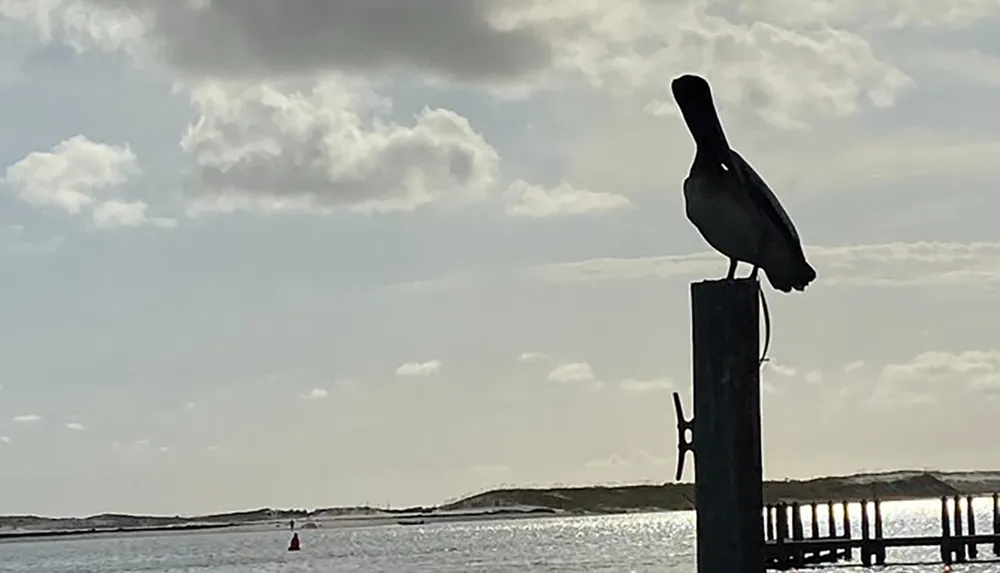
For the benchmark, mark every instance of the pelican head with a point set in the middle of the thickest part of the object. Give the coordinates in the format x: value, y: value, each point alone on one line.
x: 694, y: 98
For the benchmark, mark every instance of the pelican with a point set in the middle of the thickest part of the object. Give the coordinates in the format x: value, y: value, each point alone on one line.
x: 730, y: 205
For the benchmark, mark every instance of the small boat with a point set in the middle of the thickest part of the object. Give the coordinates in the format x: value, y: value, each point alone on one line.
x: 411, y: 522
x: 293, y: 545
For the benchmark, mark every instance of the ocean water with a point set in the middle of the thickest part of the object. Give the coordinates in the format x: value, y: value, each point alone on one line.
x: 662, y: 542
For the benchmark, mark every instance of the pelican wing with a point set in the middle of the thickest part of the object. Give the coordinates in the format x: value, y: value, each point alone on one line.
x: 766, y: 201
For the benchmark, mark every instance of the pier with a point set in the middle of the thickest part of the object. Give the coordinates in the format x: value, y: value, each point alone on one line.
x: 787, y: 546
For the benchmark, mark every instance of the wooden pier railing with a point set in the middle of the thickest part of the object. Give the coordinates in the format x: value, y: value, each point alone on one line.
x: 787, y: 547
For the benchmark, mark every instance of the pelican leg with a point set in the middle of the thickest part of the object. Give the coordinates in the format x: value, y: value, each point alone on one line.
x: 753, y: 273
x: 732, y: 270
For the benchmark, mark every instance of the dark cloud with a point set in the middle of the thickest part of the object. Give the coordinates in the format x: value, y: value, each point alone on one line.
x: 454, y: 38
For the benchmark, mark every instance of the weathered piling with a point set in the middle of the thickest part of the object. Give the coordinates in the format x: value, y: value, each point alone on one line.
x: 946, y: 550
x: 849, y: 550
x: 781, y: 520
x: 728, y: 468
x: 959, y: 547
x: 798, y: 534
x: 866, y: 553
x: 813, y: 521
x: 879, y: 543
x: 996, y: 523
x: 769, y: 523
x: 970, y: 514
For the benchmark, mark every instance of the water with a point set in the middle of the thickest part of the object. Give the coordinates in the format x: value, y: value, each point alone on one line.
x: 645, y: 543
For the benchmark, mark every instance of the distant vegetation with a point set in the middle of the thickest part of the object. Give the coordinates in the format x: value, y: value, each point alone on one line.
x: 680, y: 496
x: 577, y: 500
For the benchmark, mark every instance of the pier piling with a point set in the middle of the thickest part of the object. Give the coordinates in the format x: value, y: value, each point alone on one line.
x: 729, y: 494
x: 970, y: 514
x: 959, y: 547
x: 996, y: 524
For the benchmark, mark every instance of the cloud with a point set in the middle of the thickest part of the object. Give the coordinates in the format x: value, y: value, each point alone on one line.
x: 76, y: 176
x: 854, y: 366
x: 894, y: 14
x: 453, y: 38
x: 532, y: 357
x: 318, y: 394
x: 114, y: 214
x: 526, y: 200
x: 68, y: 176
x: 932, y: 374
x: 572, y: 372
x: 814, y: 377
x: 887, y: 264
x: 75, y: 426
x: 27, y: 418
x: 781, y: 369
x: 419, y: 368
x: 652, y: 385
x: 261, y: 149
x: 625, y: 48
x: 4, y: 440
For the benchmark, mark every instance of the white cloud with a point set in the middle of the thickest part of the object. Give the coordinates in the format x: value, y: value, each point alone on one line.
x: 419, y: 368
x: 261, y: 149
x: 853, y: 366
x: 780, y: 369
x: 79, y: 175
x: 114, y: 214
x: 814, y: 377
x: 532, y: 357
x: 932, y: 374
x: 888, y: 264
x: 572, y: 372
x: 888, y: 14
x: 526, y: 200
x: 652, y: 385
x: 75, y: 426
x: 318, y: 394
x: 4, y: 440
x: 27, y: 418
x: 71, y: 175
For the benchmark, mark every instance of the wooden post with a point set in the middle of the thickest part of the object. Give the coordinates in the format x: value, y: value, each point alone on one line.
x: 879, y: 538
x: 996, y: 523
x: 970, y: 521
x: 769, y: 522
x: 959, y: 547
x: 848, y: 552
x: 947, y: 555
x: 781, y: 521
x: 728, y: 469
x: 866, y: 554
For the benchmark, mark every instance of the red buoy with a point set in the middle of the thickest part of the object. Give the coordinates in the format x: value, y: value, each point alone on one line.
x: 293, y: 545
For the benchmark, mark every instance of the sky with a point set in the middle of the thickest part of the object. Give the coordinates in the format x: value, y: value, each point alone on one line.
x: 305, y: 253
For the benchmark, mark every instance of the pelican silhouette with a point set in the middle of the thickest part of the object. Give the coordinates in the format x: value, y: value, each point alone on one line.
x: 730, y: 205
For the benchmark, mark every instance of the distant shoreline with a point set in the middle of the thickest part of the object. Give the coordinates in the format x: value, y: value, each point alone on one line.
x: 517, y: 503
